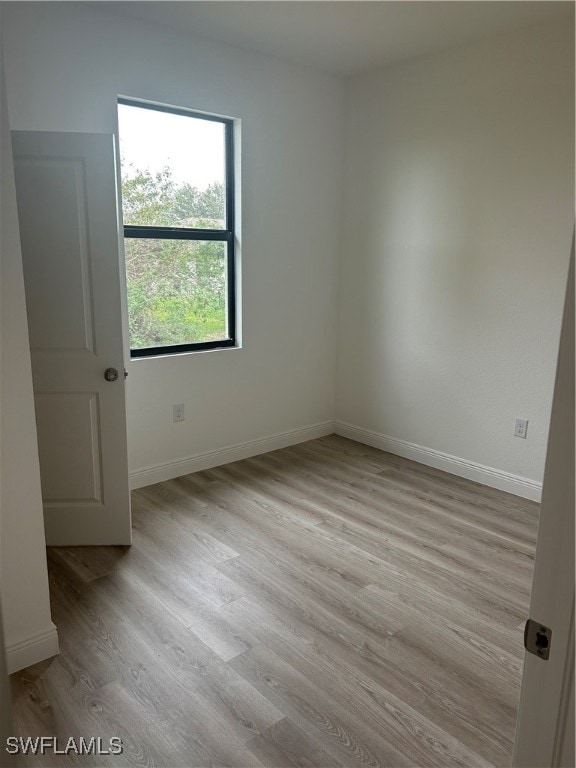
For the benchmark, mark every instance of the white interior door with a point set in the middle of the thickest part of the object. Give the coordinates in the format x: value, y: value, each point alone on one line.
x: 66, y: 189
x: 545, y: 732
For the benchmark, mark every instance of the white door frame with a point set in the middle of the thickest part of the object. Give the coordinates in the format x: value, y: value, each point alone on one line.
x: 544, y: 734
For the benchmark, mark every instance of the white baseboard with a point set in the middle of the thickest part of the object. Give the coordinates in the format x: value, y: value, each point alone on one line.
x: 495, y: 478
x: 32, y: 649
x: 150, y: 475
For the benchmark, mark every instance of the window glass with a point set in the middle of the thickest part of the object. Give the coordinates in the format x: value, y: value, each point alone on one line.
x: 173, y: 169
x: 176, y: 291
x: 177, y: 207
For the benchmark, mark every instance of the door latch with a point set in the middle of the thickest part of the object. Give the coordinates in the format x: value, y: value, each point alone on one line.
x: 537, y: 638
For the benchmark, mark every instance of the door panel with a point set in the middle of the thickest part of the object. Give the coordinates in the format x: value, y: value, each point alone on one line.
x: 58, y: 287
x: 70, y: 472
x: 66, y: 189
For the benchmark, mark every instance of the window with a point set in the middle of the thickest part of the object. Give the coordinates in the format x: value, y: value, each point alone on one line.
x: 178, y: 210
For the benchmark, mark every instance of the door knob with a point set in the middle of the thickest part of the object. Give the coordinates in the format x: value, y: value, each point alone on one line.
x: 110, y: 374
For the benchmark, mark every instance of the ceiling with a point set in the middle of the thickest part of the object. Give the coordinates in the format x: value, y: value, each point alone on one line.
x: 344, y: 37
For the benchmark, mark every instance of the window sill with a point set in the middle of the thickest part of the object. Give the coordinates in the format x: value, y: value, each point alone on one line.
x: 187, y: 353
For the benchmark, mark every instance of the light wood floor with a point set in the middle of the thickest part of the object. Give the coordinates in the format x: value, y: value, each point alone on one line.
x: 320, y: 606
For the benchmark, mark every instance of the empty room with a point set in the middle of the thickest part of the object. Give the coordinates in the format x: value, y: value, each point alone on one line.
x: 287, y: 384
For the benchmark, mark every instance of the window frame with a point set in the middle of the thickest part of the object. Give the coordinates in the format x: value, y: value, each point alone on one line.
x: 226, y: 235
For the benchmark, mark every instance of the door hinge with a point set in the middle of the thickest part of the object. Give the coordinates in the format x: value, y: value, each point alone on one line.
x: 537, y: 638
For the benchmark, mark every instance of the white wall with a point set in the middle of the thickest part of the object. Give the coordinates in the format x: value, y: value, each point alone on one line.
x: 65, y: 67
x: 5, y: 704
x: 458, y: 220
x: 28, y: 630
x: 456, y: 231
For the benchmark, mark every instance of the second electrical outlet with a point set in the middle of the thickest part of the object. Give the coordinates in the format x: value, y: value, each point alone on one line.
x: 178, y: 412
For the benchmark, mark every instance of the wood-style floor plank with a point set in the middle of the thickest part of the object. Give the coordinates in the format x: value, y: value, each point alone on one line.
x: 323, y: 606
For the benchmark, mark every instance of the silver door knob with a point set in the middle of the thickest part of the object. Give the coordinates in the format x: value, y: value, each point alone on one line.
x: 110, y: 374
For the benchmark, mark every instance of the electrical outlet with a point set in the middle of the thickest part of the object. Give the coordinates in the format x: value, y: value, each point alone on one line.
x: 521, y: 428
x: 178, y: 412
